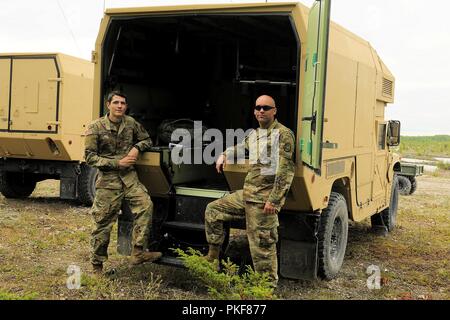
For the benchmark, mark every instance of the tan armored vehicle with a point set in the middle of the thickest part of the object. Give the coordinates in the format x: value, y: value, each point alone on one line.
x: 209, y: 63
x: 45, y: 106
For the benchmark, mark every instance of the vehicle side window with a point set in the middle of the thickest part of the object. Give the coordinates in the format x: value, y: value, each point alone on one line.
x: 382, y: 136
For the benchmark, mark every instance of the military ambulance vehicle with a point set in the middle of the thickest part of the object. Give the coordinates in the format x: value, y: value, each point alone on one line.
x: 209, y: 63
x: 45, y: 106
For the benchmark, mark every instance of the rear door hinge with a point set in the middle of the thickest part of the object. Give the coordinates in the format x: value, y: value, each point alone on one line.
x: 329, y: 145
x: 94, y: 57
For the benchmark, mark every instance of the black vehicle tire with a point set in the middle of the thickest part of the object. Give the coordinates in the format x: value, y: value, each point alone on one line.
x: 86, y: 184
x: 413, y: 184
x: 388, y: 217
x: 333, y: 235
x: 404, y: 185
x: 16, y: 185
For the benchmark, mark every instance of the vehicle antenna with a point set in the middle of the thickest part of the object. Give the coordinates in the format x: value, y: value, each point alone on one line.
x: 68, y: 26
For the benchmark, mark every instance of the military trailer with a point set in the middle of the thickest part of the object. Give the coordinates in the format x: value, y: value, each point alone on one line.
x: 407, y: 182
x: 209, y: 63
x: 45, y: 106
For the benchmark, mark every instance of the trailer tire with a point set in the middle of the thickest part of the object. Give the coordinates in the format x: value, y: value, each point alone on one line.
x: 333, y: 235
x: 86, y: 184
x: 404, y: 185
x: 413, y: 184
x: 16, y: 185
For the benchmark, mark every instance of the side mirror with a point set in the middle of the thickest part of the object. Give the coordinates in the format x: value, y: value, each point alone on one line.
x: 393, y: 134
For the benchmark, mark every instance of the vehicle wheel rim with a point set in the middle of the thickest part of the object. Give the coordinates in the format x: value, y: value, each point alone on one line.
x: 336, y: 239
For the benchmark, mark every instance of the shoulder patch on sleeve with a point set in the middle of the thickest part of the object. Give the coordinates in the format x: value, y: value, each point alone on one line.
x: 287, y: 147
x: 91, y: 128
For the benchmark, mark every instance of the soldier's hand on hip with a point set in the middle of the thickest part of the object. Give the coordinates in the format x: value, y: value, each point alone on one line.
x: 269, y: 208
x: 134, y: 153
x: 221, y: 163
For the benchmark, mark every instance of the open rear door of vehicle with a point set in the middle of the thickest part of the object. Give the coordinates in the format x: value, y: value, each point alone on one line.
x: 299, y: 250
x: 314, y: 86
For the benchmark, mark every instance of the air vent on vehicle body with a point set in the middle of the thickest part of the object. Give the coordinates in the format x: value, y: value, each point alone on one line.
x: 388, y: 87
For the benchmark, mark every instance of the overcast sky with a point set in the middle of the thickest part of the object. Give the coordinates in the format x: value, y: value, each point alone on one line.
x: 411, y: 36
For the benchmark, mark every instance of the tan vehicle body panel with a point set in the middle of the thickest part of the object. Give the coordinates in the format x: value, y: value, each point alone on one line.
x: 359, y: 86
x: 49, y: 96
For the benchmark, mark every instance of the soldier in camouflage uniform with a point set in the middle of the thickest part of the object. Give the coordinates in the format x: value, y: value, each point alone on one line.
x: 112, y: 145
x: 266, y: 186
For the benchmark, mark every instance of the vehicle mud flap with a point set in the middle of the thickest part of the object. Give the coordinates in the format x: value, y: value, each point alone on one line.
x: 68, y: 182
x: 67, y: 188
x: 299, y: 245
x: 125, y: 230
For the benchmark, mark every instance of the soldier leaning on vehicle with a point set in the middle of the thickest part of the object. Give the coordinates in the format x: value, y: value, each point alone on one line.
x: 112, y: 145
x: 265, y: 189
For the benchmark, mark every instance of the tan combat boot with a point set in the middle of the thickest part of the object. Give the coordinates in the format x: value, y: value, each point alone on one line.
x: 213, y: 253
x: 138, y: 256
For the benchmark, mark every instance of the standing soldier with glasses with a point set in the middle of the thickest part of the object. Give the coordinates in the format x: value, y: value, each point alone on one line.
x: 265, y: 189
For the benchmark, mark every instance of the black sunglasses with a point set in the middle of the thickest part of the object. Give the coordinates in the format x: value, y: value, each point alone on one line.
x: 265, y: 108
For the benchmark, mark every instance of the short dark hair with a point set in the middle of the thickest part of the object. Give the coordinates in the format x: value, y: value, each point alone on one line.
x: 115, y: 93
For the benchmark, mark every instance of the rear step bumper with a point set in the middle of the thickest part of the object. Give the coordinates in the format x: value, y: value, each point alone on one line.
x: 171, y: 261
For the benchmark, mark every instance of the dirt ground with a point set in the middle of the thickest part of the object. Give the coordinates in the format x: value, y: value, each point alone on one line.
x: 42, y: 236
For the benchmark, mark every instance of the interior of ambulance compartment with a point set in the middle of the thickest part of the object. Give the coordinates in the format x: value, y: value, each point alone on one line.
x: 211, y: 68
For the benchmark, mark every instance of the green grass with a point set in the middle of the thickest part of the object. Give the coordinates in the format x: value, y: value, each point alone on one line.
x: 425, y: 146
x: 443, y: 166
x: 11, y: 296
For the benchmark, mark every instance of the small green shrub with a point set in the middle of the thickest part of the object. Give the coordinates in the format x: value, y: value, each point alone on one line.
x: 227, y: 284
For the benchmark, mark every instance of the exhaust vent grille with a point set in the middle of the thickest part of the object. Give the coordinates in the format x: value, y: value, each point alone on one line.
x: 388, y: 88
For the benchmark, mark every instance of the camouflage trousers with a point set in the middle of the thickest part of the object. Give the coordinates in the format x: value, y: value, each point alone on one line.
x: 105, y: 210
x: 262, y: 229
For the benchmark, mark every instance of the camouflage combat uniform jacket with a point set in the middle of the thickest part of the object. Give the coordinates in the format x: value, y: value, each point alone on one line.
x: 105, y: 146
x: 271, y: 164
